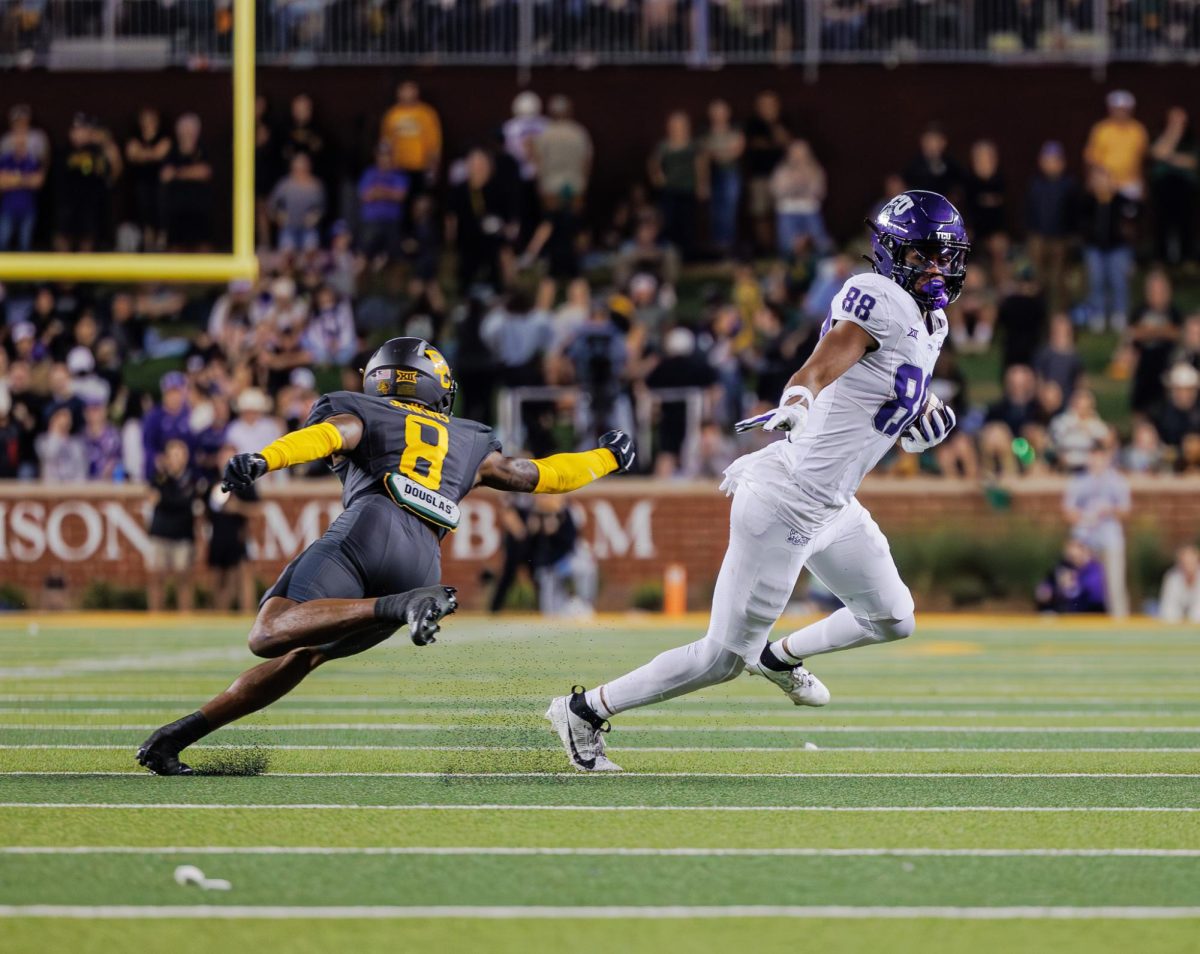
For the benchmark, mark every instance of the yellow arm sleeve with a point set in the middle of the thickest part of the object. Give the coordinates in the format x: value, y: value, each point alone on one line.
x: 302, y: 446
x: 566, y: 472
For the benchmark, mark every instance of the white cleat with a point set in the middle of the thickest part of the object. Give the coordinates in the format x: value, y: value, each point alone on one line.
x: 800, y: 685
x: 581, y: 736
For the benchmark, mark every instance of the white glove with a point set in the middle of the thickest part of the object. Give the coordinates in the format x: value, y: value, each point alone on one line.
x: 788, y: 418
x: 929, y: 430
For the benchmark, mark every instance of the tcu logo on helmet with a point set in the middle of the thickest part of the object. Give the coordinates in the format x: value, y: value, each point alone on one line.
x: 898, y: 206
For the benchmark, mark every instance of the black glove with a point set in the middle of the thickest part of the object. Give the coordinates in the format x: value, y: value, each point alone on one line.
x: 243, y: 470
x: 621, y: 445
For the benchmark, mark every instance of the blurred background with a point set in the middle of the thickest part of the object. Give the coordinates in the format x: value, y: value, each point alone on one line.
x: 607, y: 213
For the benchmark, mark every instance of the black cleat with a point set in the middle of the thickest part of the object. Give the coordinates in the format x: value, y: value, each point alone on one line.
x: 421, y: 609
x: 160, y: 754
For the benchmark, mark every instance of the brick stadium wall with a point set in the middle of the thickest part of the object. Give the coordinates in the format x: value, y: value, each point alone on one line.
x: 635, y: 527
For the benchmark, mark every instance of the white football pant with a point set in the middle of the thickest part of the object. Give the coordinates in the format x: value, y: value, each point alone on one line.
x: 850, y: 556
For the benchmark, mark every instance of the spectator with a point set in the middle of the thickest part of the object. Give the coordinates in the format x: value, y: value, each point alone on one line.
x: 413, y: 131
x: 282, y: 306
x: 957, y: 454
x: 172, y: 528
x: 678, y: 172
x: 1144, y: 454
x: 514, y: 517
x: 1076, y: 431
x: 167, y: 422
x: 145, y: 152
x: 986, y: 209
x: 1021, y: 319
x: 521, y: 133
x: 682, y: 366
x: 254, y: 427
x: 85, y: 383
x: 517, y: 334
x: 1075, y: 585
x: 22, y: 176
x: 303, y: 136
x: 647, y: 253
x: 1174, y: 175
x: 724, y: 145
x: 973, y: 316
x: 1179, y: 599
x: 564, y: 158
x: 61, y: 455
x: 89, y: 168
x: 102, y: 443
x: 20, y: 123
x: 330, y: 338
x: 267, y: 168
x: 1118, y: 145
x: 231, y: 321
x: 187, y: 189
x: 932, y: 168
x: 481, y: 223
x: 558, y: 556
x: 381, y: 193
x: 1014, y: 416
x: 1187, y: 351
x: 1177, y: 419
x: 25, y: 413
x: 1051, y: 213
x: 598, y: 357
x: 1107, y: 221
x: 798, y: 188
x: 767, y: 137
x: 1094, y: 505
x: 10, y: 438
x: 296, y: 205
x: 1058, y: 360
x: 228, y: 516
x: 62, y: 395
x: 1152, y: 336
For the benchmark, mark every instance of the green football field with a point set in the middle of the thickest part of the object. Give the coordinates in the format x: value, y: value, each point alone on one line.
x: 988, y: 785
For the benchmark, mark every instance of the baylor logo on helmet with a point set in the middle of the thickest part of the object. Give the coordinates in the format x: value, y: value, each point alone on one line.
x: 440, y: 367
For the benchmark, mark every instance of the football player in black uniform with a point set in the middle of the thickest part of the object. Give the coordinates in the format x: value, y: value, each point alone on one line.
x: 404, y: 464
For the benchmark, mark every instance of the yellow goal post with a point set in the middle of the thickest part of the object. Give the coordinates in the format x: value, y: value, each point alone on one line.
x: 203, y: 268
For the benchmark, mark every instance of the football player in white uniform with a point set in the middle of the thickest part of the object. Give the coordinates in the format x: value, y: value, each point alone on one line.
x: 866, y: 384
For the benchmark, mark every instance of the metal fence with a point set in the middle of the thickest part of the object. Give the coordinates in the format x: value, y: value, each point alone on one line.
x: 134, y: 34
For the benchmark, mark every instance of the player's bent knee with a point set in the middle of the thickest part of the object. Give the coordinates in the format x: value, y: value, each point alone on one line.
x: 899, y: 628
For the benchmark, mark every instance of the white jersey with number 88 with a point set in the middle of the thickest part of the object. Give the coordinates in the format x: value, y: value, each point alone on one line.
x: 856, y: 419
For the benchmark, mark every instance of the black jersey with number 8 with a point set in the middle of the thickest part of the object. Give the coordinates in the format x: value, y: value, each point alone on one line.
x: 425, y: 461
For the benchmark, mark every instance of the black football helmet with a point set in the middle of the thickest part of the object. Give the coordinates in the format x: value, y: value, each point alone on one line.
x: 411, y: 369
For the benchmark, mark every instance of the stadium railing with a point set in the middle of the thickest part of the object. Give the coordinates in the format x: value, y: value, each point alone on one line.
x: 140, y: 34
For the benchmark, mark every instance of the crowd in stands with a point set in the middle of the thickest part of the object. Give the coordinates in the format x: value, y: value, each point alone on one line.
x: 692, y: 300
x: 689, y: 303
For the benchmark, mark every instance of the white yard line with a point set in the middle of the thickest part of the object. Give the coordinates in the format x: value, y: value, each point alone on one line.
x: 461, y: 727
x: 568, y: 774
x: 429, y: 807
x: 136, y: 663
x: 520, y: 912
x: 110, y: 747
x: 1151, y: 699
x: 522, y: 851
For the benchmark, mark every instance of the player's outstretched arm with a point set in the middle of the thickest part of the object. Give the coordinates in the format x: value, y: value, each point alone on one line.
x: 838, y: 351
x: 336, y: 434
x: 560, y: 473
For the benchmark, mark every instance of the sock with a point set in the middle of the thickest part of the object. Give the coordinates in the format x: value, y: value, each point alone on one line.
x: 839, y: 631
x: 594, y: 700
x: 394, y: 607
x: 187, y: 730
x: 778, y: 659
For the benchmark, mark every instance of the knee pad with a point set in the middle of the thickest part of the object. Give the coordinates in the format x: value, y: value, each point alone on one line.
x: 888, y: 629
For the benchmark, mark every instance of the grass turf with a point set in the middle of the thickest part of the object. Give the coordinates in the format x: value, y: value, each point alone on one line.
x: 1005, y: 773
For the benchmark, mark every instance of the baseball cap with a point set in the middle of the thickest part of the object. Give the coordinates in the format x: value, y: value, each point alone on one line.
x: 172, y: 381
x: 303, y: 378
x: 23, y: 331
x: 1052, y: 147
x: 80, y: 360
